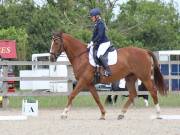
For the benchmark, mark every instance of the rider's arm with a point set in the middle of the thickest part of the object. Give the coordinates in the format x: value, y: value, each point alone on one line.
x: 99, y: 35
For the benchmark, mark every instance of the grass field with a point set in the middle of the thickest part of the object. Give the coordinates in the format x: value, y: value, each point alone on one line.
x: 172, y: 100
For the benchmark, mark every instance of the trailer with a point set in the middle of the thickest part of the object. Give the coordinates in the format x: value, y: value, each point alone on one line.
x: 45, y: 71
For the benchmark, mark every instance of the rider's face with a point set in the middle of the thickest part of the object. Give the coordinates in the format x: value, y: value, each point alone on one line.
x: 93, y: 18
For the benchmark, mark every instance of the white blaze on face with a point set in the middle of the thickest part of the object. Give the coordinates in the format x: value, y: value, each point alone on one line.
x: 51, y: 45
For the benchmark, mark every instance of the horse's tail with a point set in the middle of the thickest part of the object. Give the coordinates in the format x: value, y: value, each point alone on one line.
x: 158, y: 78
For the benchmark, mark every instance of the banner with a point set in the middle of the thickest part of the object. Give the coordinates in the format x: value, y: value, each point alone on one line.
x: 8, y: 49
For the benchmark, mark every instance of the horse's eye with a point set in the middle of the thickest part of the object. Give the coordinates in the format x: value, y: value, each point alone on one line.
x: 56, y: 42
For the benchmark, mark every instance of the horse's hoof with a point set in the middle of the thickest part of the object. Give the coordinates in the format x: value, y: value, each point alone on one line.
x: 120, y: 117
x: 159, y: 118
x: 63, y: 117
x: 102, y: 118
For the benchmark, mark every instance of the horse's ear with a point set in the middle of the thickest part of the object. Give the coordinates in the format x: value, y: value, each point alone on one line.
x: 63, y: 30
x: 60, y: 33
x: 57, y: 33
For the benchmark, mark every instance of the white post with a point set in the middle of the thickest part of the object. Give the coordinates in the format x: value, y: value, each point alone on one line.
x: 70, y: 78
x: 5, y: 87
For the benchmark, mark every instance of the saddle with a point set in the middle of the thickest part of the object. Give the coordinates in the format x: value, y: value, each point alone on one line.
x: 96, y: 60
x: 110, y: 54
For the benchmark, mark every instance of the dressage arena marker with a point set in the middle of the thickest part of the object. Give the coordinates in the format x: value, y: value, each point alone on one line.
x: 28, y: 109
x: 15, y: 117
x: 167, y: 117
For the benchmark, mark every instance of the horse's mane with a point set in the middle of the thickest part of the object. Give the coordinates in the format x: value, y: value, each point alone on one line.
x: 74, y: 39
x: 61, y: 33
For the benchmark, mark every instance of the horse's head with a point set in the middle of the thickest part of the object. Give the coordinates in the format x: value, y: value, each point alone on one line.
x: 57, y: 46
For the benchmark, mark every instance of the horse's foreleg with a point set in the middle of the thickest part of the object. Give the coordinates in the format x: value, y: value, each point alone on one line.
x: 132, y: 94
x: 73, y: 94
x: 95, y: 95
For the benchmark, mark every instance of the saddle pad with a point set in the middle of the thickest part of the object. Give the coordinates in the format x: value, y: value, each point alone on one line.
x: 112, y: 57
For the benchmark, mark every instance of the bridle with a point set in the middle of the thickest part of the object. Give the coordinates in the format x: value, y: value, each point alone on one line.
x: 54, y: 38
x: 56, y: 55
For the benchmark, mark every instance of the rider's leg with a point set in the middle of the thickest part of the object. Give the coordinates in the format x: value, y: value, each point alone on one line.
x: 105, y: 65
x: 102, y: 57
x: 95, y: 50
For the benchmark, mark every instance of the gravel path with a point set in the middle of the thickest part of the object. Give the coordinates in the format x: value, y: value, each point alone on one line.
x: 84, y: 121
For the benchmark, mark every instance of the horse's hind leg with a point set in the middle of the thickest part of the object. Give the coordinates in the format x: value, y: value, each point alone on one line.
x: 130, y: 83
x: 153, y: 91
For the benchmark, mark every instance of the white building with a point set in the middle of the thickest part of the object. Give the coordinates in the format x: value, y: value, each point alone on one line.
x: 170, y: 68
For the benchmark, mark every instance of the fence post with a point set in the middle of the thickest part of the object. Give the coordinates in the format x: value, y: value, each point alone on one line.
x: 70, y: 78
x: 5, y: 100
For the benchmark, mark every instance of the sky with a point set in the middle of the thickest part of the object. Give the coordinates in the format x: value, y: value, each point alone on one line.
x: 176, y: 4
x: 116, y: 10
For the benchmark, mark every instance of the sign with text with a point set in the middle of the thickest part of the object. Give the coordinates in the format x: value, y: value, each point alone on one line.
x: 8, y: 49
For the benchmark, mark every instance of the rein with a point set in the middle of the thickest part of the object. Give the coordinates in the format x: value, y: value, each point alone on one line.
x: 80, y: 54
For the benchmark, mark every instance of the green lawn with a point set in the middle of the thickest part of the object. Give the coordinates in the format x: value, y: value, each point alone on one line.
x: 172, y: 100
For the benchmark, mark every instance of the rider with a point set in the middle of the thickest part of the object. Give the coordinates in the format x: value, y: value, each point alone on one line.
x: 99, y: 40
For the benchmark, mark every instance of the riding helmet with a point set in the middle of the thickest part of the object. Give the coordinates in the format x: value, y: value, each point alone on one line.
x: 95, y: 11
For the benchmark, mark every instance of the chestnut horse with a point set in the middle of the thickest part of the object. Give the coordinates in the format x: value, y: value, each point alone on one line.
x: 132, y: 63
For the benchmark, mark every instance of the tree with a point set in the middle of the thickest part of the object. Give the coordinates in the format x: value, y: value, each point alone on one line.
x: 154, y: 24
x: 16, y: 13
x: 20, y: 36
x: 147, y: 24
x: 44, y: 21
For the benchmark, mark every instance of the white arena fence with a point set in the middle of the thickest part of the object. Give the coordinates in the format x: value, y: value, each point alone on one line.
x: 69, y: 79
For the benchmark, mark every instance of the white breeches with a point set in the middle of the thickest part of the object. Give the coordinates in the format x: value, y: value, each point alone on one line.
x: 102, y: 48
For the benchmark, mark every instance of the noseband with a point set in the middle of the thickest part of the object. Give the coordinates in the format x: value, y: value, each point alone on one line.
x: 54, y: 38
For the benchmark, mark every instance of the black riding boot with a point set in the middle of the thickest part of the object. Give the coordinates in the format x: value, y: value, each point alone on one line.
x: 105, y: 65
x: 96, y: 60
